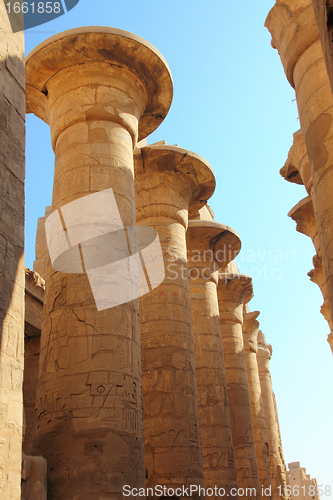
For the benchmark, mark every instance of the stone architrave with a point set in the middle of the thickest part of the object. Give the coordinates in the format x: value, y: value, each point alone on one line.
x: 12, y: 173
x: 100, y: 90
x: 169, y: 181
x: 295, y: 34
x: 250, y: 337
x: 276, y: 461
x: 211, y: 246
x: 235, y: 290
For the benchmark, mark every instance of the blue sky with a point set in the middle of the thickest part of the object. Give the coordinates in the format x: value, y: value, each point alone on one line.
x: 234, y: 107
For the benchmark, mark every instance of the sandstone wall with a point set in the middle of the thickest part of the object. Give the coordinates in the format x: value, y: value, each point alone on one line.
x: 12, y: 171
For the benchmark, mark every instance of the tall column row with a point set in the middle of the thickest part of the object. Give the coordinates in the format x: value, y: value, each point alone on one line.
x: 294, y: 33
x: 211, y: 246
x: 100, y: 90
x: 250, y: 336
x: 170, y: 182
x: 234, y: 291
x: 148, y: 369
x: 277, y: 466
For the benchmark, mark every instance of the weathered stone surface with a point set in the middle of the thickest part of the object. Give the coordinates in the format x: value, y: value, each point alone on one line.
x: 295, y: 35
x: 250, y: 336
x: 99, y: 96
x: 12, y: 173
x: 210, y: 247
x: 234, y: 290
x: 277, y: 466
x: 170, y: 182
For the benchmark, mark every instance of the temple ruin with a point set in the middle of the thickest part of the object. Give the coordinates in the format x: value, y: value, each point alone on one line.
x: 129, y: 355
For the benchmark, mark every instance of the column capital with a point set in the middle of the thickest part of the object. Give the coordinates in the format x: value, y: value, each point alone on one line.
x: 303, y: 215
x: 220, y: 242
x: 316, y: 275
x: 170, y: 182
x: 293, y: 28
x: 236, y: 288
x: 250, y: 330
x: 264, y: 350
x: 330, y: 341
x: 297, y: 167
x: 204, y: 213
x: 98, y: 73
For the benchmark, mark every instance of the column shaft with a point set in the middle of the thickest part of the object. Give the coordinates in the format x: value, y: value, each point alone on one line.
x: 216, y: 436
x: 232, y: 292
x: 166, y: 179
x: 89, y: 390
x: 276, y: 462
x: 250, y: 334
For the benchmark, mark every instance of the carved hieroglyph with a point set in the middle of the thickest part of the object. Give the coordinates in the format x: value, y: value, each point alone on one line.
x: 169, y: 182
x: 294, y: 33
x: 100, y: 90
x: 210, y: 247
x: 276, y: 461
x: 250, y: 336
x: 12, y: 173
x: 234, y: 290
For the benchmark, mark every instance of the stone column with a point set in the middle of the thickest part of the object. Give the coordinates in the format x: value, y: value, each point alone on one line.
x: 168, y: 179
x: 210, y: 247
x: 12, y: 277
x: 234, y: 290
x: 276, y: 462
x: 295, y: 35
x: 99, y: 89
x: 250, y: 336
